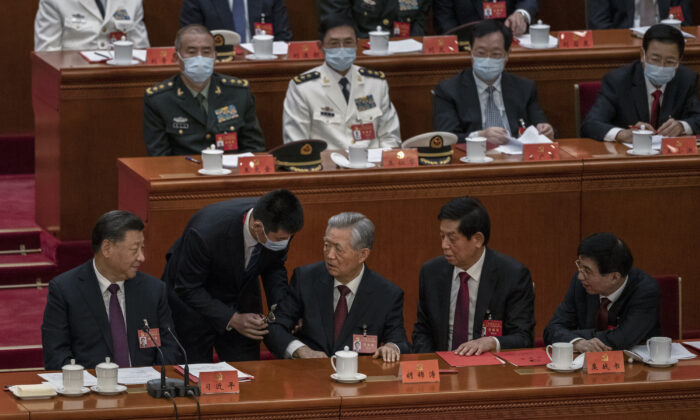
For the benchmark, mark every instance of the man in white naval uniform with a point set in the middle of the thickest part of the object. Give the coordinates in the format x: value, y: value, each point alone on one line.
x: 88, y: 24
x: 339, y: 102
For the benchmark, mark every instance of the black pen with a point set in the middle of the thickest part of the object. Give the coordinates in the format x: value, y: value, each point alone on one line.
x: 102, y: 55
x: 193, y: 160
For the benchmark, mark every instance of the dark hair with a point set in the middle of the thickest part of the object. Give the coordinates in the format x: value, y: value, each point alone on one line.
x: 666, y: 34
x: 279, y: 209
x: 472, y: 216
x: 335, y: 21
x: 194, y: 28
x: 490, y: 26
x: 113, y: 226
x: 609, y: 252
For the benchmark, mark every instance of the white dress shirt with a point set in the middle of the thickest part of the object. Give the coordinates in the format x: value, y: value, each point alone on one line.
x: 482, y: 91
x: 249, y: 241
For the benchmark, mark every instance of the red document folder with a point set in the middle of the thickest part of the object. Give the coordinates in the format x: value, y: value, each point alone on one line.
x: 483, y: 359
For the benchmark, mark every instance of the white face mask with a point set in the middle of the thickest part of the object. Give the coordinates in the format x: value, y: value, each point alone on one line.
x: 198, y: 69
x: 658, y: 75
x: 488, y: 69
x: 274, y: 245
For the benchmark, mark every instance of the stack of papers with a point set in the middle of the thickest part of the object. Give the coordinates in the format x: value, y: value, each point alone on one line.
x: 197, y: 368
x: 515, y: 146
x: 484, y: 359
x: 137, y: 375
x: 56, y: 379
x: 100, y: 56
x: 231, y: 161
x: 278, y: 47
x: 405, y: 46
x: 641, y: 30
x: 693, y: 344
x: 677, y: 352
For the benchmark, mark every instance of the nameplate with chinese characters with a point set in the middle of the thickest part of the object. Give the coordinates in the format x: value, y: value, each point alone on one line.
x: 304, y: 50
x: 403, y: 158
x: 256, y: 165
x: 446, y: 44
x: 417, y: 371
x: 541, y: 151
x: 605, y: 362
x: 160, y: 56
x: 575, y: 39
x: 679, y: 146
x: 223, y: 382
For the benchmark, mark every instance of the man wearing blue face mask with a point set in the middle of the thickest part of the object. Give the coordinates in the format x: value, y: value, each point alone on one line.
x: 192, y: 110
x: 212, y: 274
x: 338, y: 101
x: 485, y: 101
x: 655, y: 91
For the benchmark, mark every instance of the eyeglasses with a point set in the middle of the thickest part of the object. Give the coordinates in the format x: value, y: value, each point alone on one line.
x: 582, y: 269
x: 270, y: 317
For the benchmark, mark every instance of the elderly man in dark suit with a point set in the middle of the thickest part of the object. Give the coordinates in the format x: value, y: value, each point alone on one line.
x: 341, y: 298
x: 472, y: 299
x: 609, y: 305
x: 213, y: 268
x: 484, y: 100
x: 655, y: 91
x: 98, y: 309
x: 609, y: 14
x: 224, y: 14
x: 451, y: 13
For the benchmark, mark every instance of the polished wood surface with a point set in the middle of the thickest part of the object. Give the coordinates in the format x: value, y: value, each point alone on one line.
x: 87, y: 115
x: 303, y: 389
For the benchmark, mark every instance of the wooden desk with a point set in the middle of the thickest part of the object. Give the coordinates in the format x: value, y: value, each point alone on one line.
x: 539, y: 211
x: 87, y: 115
x: 303, y: 389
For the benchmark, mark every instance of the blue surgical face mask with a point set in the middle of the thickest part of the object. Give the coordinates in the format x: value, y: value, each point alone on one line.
x: 658, y: 75
x: 275, y: 245
x: 340, y: 59
x: 198, y: 69
x: 488, y: 69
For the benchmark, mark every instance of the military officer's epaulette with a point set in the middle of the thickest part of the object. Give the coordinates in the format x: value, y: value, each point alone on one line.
x: 160, y: 87
x: 306, y: 77
x: 372, y: 73
x: 234, y: 81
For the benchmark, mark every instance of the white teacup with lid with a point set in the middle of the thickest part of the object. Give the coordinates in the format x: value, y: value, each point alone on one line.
x: 72, y: 375
x: 539, y: 34
x: 212, y: 159
x: 641, y: 141
x: 379, y: 40
x: 672, y: 21
x: 123, y: 50
x: 344, y: 363
x: 262, y: 45
x: 107, y: 375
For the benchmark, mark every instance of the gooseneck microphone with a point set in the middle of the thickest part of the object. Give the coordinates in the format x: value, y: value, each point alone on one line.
x: 187, y: 387
x: 163, y: 387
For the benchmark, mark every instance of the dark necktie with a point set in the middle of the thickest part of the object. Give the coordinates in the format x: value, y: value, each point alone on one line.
x: 239, y: 19
x: 116, y: 323
x: 602, y: 318
x: 254, y: 258
x: 344, y: 82
x: 655, y: 107
x: 460, y: 326
x: 101, y: 6
x: 201, y: 100
x: 341, y: 311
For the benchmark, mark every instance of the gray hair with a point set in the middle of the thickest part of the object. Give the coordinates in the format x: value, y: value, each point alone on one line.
x: 361, y: 228
x: 194, y: 28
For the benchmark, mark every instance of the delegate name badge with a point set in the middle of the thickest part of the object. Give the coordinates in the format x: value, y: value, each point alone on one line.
x: 494, y: 9
x: 677, y: 13
x: 364, y: 103
x: 365, y: 344
x: 362, y: 131
x: 261, y: 28
x: 492, y: 328
x: 402, y: 30
x: 145, y: 341
x: 226, y: 113
x: 227, y: 141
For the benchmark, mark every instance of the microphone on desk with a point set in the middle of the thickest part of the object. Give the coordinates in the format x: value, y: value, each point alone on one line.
x: 163, y: 387
x: 186, y: 386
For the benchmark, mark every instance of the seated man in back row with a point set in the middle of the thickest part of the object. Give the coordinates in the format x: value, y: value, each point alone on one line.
x: 485, y: 101
x: 655, y: 91
x: 339, y: 102
x: 186, y: 113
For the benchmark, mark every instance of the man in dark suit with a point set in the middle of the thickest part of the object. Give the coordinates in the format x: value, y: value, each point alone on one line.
x: 656, y: 92
x: 212, y: 273
x: 472, y: 299
x: 341, y: 298
x: 452, y: 13
x: 609, y: 14
x: 184, y: 114
x: 222, y: 14
x: 485, y: 101
x: 97, y: 309
x: 609, y: 305
x: 389, y: 14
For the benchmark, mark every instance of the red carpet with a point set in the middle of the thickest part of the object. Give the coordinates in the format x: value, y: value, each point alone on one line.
x: 17, y: 204
x: 21, y: 314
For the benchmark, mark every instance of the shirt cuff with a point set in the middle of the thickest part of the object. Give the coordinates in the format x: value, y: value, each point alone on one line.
x: 686, y: 128
x: 498, y: 344
x: 575, y: 340
x: 610, y: 135
x: 474, y: 134
x: 525, y: 14
x: 292, y: 347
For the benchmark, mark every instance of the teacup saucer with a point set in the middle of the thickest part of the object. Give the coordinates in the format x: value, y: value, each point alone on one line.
x: 261, y: 57
x: 571, y: 368
x: 83, y: 390
x: 668, y: 363
x: 359, y: 377
x: 222, y: 171
x: 113, y: 62
x: 117, y: 390
x: 467, y: 159
x: 376, y: 53
x: 634, y: 153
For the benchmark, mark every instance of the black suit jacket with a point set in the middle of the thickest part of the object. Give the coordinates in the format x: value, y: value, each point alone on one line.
x: 609, y: 14
x: 505, y: 290
x: 76, y: 325
x: 451, y: 13
x: 635, y: 314
x: 206, y: 271
x: 216, y: 14
x: 370, y: 14
x: 456, y: 104
x: 378, y: 304
x: 622, y: 101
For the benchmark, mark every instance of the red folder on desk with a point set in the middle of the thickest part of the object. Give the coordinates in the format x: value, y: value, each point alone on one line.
x: 484, y: 359
x: 527, y: 357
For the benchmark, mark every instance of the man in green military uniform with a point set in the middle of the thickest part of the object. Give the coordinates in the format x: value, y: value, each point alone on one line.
x: 198, y: 108
x: 400, y: 17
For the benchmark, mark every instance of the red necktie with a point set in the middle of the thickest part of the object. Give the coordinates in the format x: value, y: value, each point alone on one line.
x: 602, y: 318
x: 460, y: 327
x: 655, y: 107
x: 118, y: 327
x: 341, y: 311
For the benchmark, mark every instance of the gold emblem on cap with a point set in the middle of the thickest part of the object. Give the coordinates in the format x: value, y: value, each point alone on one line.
x: 436, y: 142
x: 385, y: 21
x: 218, y: 40
x: 400, y: 155
x: 306, y: 149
